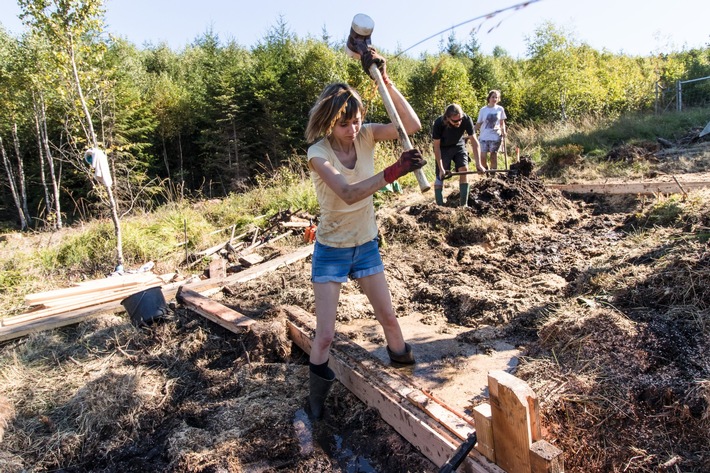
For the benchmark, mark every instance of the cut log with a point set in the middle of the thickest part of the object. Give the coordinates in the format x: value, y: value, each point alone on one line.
x: 214, y: 311
x: 377, y: 387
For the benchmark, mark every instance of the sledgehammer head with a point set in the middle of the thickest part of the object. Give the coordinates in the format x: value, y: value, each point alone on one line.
x: 360, y: 32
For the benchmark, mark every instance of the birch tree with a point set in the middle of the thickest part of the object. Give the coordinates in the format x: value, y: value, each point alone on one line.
x: 72, y: 29
x: 11, y: 92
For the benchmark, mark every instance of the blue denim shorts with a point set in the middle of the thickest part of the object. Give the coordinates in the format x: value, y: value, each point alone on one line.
x: 337, y: 264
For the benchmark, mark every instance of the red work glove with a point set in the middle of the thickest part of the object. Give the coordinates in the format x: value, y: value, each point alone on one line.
x: 371, y: 57
x: 409, y: 161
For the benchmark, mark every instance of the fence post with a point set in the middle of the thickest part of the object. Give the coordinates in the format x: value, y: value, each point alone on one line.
x: 516, y: 425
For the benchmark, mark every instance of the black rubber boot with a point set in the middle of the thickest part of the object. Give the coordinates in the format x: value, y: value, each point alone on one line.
x: 406, y: 358
x: 319, y: 390
x: 439, y: 196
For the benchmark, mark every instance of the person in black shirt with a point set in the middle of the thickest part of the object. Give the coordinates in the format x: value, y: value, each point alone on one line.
x: 450, y: 145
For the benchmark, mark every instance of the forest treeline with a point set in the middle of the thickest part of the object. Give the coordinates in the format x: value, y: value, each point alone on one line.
x: 209, y: 118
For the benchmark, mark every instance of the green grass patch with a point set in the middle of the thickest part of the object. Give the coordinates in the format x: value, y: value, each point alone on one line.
x: 552, y: 144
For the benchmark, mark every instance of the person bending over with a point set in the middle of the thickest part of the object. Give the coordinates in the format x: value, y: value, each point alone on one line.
x: 447, y: 134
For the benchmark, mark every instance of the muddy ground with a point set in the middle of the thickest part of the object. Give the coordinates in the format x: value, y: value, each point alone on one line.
x: 601, y: 305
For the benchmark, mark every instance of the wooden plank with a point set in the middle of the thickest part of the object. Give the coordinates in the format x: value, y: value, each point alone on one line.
x: 515, y: 412
x: 217, y: 268
x: 169, y: 291
x: 88, y: 287
x: 66, y: 305
x: 546, y: 458
x: 214, y: 311
x: 370, y: 381
x: 253, y: 272
x: 59, y: 320
x: 484, y: 430
x: 454, y: 424
x: 631, y: 187
x: 296, y: 224
x: 250, y: 260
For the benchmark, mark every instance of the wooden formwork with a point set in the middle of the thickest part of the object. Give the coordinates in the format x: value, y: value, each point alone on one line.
x: 508, y: 428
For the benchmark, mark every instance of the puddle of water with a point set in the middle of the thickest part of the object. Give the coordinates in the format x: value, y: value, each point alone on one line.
x: 304, y: 432
x: 319, y: 435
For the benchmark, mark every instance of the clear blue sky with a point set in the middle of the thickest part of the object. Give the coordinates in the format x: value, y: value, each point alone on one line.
x: 638, y: 27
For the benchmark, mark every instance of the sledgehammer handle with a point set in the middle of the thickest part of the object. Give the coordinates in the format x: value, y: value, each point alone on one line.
x: 394, y: 117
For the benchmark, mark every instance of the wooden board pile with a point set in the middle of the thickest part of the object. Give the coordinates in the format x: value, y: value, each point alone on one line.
x: 58, y: 307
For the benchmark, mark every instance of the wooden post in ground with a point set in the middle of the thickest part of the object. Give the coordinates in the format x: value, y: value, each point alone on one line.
x: 515, y: 412
x: 546, y: 458
x: 517, y: 437
x: 484, y: 429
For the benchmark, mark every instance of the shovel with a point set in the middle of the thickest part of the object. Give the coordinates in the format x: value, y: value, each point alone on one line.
x: 505, y: 153
x: 510, y: 172
x: 460, y: 454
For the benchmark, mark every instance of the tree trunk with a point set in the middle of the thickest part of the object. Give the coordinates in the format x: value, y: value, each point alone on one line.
x: 182, y: 170
x: 13, y: 187
x: 117, y: 226
x: 92, y: 139
x: 165, y: 156
x: 54, y: 176
x: 82, y: 100
x: 21, y: 175
x: 236, y: 145
x: 42, y: 172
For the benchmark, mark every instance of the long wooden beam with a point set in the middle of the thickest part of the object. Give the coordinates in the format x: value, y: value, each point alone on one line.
x: 390, y: 394
x: 97, y: 286
x: 631, y: 187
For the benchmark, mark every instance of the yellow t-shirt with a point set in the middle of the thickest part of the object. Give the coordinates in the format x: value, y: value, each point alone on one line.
x: 342, y: 225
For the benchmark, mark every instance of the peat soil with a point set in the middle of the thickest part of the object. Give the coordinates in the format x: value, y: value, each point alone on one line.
x: 598, y: 302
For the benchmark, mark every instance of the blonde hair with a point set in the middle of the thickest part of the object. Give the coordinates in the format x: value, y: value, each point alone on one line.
x: 337, y: 101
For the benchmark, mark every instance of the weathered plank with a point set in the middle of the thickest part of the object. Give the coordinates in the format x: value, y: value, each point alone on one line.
x: 214, y: 311
x: 630, y: 187
x: 217, y: 268
x: 250, y: 260
x: 453, y: 423
x: 253, y: 272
